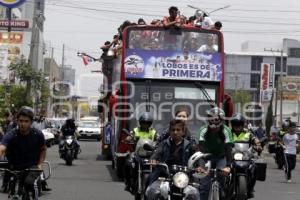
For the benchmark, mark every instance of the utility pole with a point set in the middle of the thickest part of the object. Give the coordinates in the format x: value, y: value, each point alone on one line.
x: 277, y: 88
x: 62, y: 86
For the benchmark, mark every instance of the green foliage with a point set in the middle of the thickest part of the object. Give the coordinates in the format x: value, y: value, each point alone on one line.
x: 26, y: 74
x: 17, y: 93
x: 269, y: 117
x: 242, y: 97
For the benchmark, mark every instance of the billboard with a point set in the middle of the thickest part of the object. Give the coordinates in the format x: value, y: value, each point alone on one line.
x: 176, y: 65
x: 290, y: 88
x: 267, y: 82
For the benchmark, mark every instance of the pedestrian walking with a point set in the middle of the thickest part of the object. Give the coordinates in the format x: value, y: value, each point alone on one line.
x: 290, y: 142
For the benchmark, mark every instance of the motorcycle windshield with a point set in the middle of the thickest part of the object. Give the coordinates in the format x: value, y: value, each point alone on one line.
x: 241, y: 146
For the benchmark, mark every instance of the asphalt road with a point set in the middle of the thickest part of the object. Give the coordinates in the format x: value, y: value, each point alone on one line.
x: 91, y: 178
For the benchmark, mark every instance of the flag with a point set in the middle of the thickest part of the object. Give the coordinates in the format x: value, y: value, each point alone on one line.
x: 86, y: 60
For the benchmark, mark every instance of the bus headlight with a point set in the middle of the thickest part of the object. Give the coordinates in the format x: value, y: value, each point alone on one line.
x: 180, y: 180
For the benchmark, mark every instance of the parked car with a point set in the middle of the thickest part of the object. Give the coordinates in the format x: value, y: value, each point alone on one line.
x: 49, y: 137
x: 89, y: 130
x: 55, y: 126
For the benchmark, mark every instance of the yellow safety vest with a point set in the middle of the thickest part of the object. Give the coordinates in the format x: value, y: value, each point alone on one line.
x: 144, y: 134
x: 243, y: 136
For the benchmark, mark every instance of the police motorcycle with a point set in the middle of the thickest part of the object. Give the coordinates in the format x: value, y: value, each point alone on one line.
x: 242, y: 165
x: 68, y: 150
x: 16, y: 189
x: 140, y: 161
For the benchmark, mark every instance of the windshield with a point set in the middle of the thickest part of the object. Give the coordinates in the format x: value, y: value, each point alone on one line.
x: 162, y: 54
x: 88, y: 125
x: 162, y: 102
x: 171, y: 40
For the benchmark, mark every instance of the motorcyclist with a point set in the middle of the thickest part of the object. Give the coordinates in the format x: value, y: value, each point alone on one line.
x: 68, y: 129
x: 181, y: 114
x: 25, y: 148
x: 242, y: 135
x: 175, y: 150
x: 285, y: 126
x: 143, y: 131
x: 216, y: 139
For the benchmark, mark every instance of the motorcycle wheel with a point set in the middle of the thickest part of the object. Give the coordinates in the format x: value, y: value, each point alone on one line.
x: 241, y: 191
x: 68, y: 158
x: 142, y: 196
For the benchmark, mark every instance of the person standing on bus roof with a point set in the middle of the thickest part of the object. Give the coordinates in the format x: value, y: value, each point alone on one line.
x: 174, y: 18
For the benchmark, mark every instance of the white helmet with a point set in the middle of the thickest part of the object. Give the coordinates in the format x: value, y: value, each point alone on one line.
x: 214, y: 113
x: 194, y: 158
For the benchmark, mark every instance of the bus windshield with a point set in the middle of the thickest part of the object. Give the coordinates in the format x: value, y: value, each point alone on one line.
x: 162, y: 102
x: 190, y: 54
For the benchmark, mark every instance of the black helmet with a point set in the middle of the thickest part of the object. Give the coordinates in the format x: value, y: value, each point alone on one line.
x: 237, y: 120
x: 26, y: 111
x: 146, y: 118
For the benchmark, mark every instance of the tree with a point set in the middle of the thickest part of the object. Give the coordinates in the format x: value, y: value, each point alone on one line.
x: 242, y: 97
x: 269, y: 117
x: 28, y: 75
x: 17, y: 93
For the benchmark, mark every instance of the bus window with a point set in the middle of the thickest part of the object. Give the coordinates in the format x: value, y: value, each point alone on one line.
x: 167, y: 40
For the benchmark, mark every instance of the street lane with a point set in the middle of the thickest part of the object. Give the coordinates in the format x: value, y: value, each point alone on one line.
x: 92, y: 178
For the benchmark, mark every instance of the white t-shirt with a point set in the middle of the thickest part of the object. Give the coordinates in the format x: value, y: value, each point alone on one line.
x: 290, y: 141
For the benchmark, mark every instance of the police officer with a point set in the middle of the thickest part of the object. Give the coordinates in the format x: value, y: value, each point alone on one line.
x: 143, y: 131
x: 241, y: 135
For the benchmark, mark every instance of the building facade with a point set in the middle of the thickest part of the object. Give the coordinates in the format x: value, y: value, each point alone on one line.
x: 243, y: 72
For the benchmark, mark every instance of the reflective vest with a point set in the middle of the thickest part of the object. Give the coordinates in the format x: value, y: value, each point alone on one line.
x: 243, y: 136
x: 144, y: 134
x: 281, y: 134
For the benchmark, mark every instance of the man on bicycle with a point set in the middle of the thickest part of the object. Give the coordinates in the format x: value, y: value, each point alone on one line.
x: 25, y: 147
x: 216, y: 139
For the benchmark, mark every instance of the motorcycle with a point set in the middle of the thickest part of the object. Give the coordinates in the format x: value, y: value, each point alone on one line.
x: 16, y: 189
x: 242, y: 166
x: 143, y: 151
x: 176, y: 181
x: 139, y: 162
x: 68, y: 150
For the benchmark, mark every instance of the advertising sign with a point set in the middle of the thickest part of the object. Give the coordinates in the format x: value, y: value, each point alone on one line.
x: 176, y: 65
x: 16, y: 24
x: 291, y: 88
x: 11, y: 38
x: 11, y: 3
x: 267, y: 82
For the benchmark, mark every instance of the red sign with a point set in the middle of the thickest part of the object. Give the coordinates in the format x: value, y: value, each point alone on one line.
x: 14, y: 23
x: 264, y: 84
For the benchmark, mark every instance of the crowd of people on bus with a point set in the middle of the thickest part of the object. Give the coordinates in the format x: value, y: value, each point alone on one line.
x: 157, y: 40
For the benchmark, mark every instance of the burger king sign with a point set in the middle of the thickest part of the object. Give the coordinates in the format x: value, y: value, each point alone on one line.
x: 11, y: 3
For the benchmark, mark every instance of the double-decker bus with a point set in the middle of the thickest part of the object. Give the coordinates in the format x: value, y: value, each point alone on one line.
x: 159, y: 70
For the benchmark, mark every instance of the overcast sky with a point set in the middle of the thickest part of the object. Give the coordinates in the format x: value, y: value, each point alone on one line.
x: 82, y: 29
